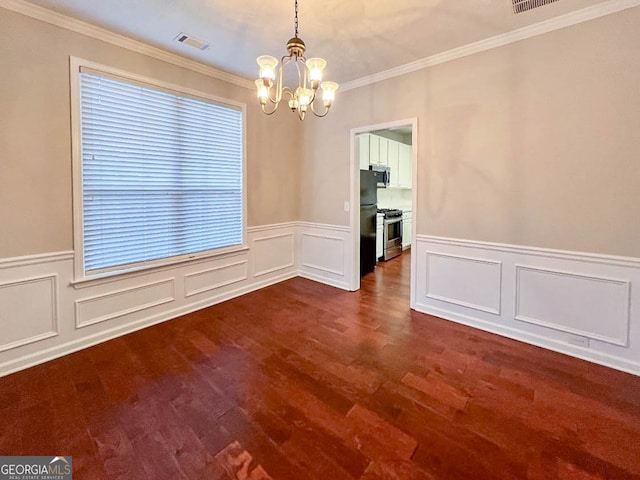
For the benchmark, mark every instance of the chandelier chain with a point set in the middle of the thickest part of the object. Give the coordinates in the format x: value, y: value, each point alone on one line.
x: 296, y: 23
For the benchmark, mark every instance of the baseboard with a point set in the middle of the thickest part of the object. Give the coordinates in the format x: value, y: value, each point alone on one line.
x: 327, y: 281
x: 537, y: 340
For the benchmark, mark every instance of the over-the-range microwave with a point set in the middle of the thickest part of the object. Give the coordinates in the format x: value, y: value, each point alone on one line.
x: 383, y: 175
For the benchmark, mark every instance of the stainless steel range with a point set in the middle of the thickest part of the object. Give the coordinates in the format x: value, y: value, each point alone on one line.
x: 392, y: 232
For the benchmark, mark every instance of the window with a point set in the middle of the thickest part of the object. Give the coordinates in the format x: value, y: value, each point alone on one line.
x: 161, y: 174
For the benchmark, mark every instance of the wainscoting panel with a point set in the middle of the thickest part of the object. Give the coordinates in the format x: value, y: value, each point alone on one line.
x: 28, y: 311
x: 467, y: 282
x: 584, y: 305
x: 273, y: 253
x: 116, y: 304
x: 323, y: 254
x: 214, y: 278
x: 594, y: 307
x: 43, y: 315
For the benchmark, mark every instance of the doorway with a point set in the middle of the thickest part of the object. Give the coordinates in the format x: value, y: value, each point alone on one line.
x: 391, y: 150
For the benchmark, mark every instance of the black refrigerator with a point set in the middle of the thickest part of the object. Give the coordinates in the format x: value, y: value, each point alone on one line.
x: 368, y: 212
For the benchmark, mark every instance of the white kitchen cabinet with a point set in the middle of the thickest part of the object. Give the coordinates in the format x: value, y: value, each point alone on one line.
x: 405, y: 165
x: 374, y: 149
x: 379, y: 236
x: 363, y: 150
x: 393, y: 151
x: 383, y: 151
x: 407, y: 227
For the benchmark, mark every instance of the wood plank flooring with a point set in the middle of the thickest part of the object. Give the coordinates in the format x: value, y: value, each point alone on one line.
x: 303, y: 381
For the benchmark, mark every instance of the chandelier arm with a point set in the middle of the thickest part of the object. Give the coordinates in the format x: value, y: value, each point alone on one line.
x: 326, y: 110
x: 272, y: 96
x: 278, y: 92
x: 299, y: 78
x: 284, y: 61
x: 302, y: 83
x: 288, y: 91
x: 264, y: 110
x: 303, y: 60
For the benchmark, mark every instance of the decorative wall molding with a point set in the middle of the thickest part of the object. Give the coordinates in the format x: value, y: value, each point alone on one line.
x: 282, y: 246
x: 311, y: 255
x: 591, y: 297
x: 579, y: 304
x: 271, y: 227
x: 632, y: 262
x: 324, y: 226
x: 473, y: 283
x: 51, y: 352
x: 562, y: 21
x: 144, y: 272
x: 36, y: 259
x: 23, y: 297
x: 507, y: 302
x: 93, y: 31
x: 110, y: 307
x: 325, y: 255
x: 209, y: 277
x: 123, y: 302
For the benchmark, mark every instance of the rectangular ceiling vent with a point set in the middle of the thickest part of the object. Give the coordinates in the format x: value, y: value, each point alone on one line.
x: 192, y: 41
x: 521, y: 6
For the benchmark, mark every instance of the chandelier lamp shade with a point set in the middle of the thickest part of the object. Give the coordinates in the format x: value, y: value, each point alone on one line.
x: 310, y: 88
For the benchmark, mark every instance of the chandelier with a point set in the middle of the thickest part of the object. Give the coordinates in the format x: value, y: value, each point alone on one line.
x: 304, y: 96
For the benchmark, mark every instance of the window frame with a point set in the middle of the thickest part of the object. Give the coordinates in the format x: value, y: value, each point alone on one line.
x: 80, y: 277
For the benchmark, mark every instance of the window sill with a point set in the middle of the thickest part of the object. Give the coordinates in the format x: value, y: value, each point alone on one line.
x: 85, y: 282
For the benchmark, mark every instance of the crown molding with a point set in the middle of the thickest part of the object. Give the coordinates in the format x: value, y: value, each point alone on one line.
x: 84, y: 28
x: 567, y: 20
x: 579, y: 16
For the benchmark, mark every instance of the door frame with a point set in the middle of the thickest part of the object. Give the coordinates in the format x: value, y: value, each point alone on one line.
x: 354, y: 223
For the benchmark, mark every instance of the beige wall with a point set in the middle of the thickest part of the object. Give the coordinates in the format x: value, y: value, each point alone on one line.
x: 35, y: 138
x: 534, y: 143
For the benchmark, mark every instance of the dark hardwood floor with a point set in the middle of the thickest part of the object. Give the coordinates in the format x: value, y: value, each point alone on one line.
x: 303, y: 381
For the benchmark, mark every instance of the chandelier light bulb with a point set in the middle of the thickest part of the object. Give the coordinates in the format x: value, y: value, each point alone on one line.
x: 328, y: 92
x: 263, y: 91
x: 268, y: 66
x: 304, y: 96
x: 315, y: 67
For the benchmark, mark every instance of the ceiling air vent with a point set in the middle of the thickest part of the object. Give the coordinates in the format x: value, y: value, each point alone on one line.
x: 521, y: 6
x: 192, y: 41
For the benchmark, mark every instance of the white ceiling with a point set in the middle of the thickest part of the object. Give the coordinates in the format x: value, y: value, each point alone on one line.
x: 357, y: 37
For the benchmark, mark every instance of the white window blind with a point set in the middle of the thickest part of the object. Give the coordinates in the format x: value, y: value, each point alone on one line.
x: 162, y: 174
